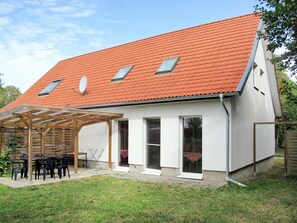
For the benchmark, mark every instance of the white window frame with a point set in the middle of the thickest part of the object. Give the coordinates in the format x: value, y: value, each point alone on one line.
x: 197, y: 176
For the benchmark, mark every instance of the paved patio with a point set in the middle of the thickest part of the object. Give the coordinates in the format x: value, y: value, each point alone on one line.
x: 85, y: 173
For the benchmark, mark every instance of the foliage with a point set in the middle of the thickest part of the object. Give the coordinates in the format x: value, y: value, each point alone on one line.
x: 8, y: 94
x: 288, y: 95
x: 4, y: 163
x: 269, y: 198
x: 1, y: 83
x: 280, y: 17
x: 12, y: 143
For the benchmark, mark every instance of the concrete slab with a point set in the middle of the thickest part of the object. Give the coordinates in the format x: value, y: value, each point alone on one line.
x: 84, y: 173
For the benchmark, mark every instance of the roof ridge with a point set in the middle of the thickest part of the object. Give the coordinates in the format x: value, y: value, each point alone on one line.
x: 151, y: 37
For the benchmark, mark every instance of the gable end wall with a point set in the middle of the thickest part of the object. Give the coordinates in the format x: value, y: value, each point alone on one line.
x: 253, y: 106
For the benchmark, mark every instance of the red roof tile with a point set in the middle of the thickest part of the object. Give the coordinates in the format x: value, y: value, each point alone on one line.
x: 213, y: 58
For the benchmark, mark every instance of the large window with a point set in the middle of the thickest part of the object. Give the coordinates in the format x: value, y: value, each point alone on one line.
x: 123, y: 143
x: 192, y: 145
x: 153, y: 144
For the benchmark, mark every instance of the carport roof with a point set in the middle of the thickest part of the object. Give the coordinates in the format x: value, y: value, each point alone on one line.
x: 53, y: 117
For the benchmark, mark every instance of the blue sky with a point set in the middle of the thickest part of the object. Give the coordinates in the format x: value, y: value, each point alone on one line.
x: 36, y: 34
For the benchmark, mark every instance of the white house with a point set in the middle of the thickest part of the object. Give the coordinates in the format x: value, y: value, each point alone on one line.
x: 189, y: 99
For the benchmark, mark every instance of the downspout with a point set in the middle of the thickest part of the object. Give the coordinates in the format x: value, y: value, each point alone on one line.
x: 228, y: 179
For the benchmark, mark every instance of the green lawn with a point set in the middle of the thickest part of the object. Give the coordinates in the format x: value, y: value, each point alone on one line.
x: 270, y: 198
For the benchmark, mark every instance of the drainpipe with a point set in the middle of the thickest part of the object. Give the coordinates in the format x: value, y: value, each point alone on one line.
x: 228, y: 179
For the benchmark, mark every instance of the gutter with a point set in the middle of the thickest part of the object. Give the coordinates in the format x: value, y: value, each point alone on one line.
x: 228, y: 178
x: 157, y: 101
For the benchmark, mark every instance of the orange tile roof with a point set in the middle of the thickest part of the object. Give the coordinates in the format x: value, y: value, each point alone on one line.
x: 213, y: 58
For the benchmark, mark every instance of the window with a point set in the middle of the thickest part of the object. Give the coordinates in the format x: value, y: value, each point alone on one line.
x: 256, y: 76
x: 192, y: 145
x: 153, y: 144
x: 122, y: 73
x: 123, y: 143
x: 262, y: 78
x: 50, y: 87
x: 168, y: 65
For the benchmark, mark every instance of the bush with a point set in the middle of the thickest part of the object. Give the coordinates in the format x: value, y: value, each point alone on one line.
x: 5, y: 163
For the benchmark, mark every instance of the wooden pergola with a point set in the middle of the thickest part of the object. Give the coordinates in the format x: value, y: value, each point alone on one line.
x: 45, y: 118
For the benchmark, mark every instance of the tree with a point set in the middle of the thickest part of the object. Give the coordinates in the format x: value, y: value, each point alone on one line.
x: 288, y: 95
x: 8, y: 94
x: 1, y: 83
x: 280, y: 17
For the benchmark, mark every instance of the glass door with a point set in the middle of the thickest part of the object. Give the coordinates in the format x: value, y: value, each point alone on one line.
x: 123, y: 143
x: 192, y: 145
x: 153, y: 144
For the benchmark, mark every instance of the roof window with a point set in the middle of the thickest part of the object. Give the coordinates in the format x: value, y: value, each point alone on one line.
x: 168, y: 65
x: 50, y: 87
x: 122, y: 73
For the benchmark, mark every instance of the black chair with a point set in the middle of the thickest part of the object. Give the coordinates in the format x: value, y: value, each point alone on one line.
x: 39, y: 163
x: 63, y: 166
x: 16, y: 169
x: 50, y: 166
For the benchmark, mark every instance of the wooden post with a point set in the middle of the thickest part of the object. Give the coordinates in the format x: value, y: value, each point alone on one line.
x: 75, y: 149
x: 44, y: 131
x: 110, y: 144
x: 42, y: 142
x: 30, y: 148
x: 254, y: 150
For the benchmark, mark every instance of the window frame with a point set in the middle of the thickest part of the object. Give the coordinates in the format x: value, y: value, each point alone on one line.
x: 168, y: 70
x: 120, y: 134
x: 147, y: 144
x: 256, y: 78
x: 44, y: 92
x: 122, y: 77
x: 183, y: 174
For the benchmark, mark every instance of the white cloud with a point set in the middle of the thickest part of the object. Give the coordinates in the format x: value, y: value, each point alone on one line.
x: 42, y: 33
x: 4, y: 21
x: 97, y: 42
x: 61, y: 9
x: 84, y: 13
x: 7, y: 7
x: 29, y: 30
x: 23, y: 64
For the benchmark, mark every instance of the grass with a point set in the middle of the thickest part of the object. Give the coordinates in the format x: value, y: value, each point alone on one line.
x: 279, y: 152
x: 269, y: 198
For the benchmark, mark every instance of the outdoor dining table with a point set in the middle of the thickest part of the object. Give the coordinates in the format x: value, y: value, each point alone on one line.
x: 39, y: 160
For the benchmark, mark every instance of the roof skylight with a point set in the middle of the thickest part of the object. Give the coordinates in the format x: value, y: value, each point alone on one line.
x: 168, y: 65
x: 122, y: 73
x: 50, y: 87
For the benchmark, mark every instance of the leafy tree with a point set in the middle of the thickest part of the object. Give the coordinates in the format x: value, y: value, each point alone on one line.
x: 288, y: 95
x: 288, y: 98
x: 8, y: 94
x: 5, y: 157
x: 1, y: 83
x: 280, y: 17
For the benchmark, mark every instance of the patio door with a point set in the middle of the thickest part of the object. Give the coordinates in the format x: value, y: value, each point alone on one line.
x: 123, y: 143
x: 192, y: 147
x: 153, y: 144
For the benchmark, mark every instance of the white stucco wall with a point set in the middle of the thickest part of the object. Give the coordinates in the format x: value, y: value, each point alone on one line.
x: 252, y: 106
x: 213, y: 133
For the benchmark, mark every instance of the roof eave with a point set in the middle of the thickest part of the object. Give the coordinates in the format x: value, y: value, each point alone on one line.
x: 249, y: 66
x: 159, y: 101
